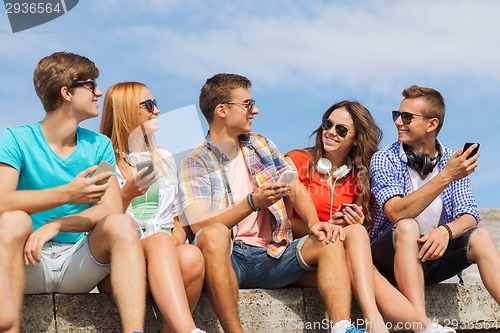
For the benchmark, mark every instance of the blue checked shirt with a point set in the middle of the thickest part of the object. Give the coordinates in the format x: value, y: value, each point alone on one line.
x: 390, y: 177
x: 203, y: 177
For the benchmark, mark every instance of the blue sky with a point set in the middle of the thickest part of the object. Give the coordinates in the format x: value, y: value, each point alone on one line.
x: 302, y: 56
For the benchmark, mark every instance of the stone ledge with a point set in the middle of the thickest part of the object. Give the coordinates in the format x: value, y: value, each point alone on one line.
x: 469, y: 307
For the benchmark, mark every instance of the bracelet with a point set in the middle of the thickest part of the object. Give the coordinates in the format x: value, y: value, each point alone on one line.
x: 251, y: 203
x: 447, y: 227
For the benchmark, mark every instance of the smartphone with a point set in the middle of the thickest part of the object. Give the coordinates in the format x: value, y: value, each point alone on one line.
x: 146, y: 164
x: 474, y: 152
x: 287, y: 176
x: 344, y: 206
x: 103, y: 167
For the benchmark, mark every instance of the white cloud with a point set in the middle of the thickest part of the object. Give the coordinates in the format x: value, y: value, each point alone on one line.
x: 379, y: 44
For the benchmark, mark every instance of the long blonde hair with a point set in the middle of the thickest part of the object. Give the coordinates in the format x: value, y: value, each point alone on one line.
x: 120, y: 118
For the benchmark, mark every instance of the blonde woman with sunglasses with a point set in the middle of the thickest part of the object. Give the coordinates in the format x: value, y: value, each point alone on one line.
x: 149, y: 189
x: 335, y: 172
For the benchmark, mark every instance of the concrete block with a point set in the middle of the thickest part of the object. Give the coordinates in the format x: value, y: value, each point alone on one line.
x: 98, y: 313
x: 38, y: 314
x: 260, y: 310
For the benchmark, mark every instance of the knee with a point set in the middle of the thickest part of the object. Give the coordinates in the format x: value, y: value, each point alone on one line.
x: 192, y: 260
x: 158, y: 243
x: 214, y: 239
x: 407, y: 230
x: 356, y: 232
x: 15, y: 228
x: 120, y: 227
x: 481, y: 243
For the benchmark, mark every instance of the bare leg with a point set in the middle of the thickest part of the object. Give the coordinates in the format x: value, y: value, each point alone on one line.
x: 395, y: 307
x: 165, y: 282
x: 407, y: 266
x: 220, y: 279
x: 15, y: 228
x: 193, y: 272
x: 484, y: 252
x: 359, y: 261
x: 333, y: 276
x: 115, y: 240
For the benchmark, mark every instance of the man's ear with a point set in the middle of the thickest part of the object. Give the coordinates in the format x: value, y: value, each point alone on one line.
x: 66, y: 94
x: 433, y: 124
x: 221, y: 111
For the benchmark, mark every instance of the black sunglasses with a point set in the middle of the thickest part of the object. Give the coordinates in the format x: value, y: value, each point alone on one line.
x: 149, y: 104
x: 248, y: 104
x: 91, y: 84
x: 341, y: 130
x: 406, y: 117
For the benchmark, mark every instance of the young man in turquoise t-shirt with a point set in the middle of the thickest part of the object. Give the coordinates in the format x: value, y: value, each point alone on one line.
x: 59, y: 228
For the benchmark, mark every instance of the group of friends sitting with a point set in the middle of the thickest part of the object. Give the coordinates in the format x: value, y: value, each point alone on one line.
x: 343, y: 215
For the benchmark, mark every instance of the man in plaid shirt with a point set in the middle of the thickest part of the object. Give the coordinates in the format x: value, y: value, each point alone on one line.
x: 229, y: 189
x: 425, y: 213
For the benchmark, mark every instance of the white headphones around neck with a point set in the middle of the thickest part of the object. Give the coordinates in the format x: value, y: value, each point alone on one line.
x: 133, y: 158
x: 324, y: 167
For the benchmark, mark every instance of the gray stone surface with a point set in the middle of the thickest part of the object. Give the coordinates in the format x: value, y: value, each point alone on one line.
x: 38, y: 314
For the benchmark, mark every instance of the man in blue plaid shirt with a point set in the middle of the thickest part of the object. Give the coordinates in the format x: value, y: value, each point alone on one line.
x: 425, y: 214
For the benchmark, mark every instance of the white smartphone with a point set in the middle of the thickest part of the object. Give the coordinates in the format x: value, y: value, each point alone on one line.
x: 103, y: 167
x: 287, y: 176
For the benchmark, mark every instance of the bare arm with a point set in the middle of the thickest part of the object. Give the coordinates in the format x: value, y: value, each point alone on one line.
x: 81, y: 190
x: 436, y: 241
x: 415, y: 203
x: 304, y: 205
x: 82, y: 222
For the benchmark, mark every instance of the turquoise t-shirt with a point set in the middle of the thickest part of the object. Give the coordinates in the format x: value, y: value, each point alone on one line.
x: 25, y: 149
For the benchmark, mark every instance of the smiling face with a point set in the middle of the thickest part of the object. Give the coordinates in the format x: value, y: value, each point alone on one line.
x: 238, y: 119
x: 145, y: 117
x: 84, y: 101
x: 416, y: 132
x: 334, y: 144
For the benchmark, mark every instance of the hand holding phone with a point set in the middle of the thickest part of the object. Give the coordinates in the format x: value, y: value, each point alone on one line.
x: 143, y: 165
x: 101, y: 168
x: 287, y: 176
x: 474, y: 151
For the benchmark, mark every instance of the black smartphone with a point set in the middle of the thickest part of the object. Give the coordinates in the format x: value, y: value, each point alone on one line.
x: 474, y: 152
x: 146, y: 164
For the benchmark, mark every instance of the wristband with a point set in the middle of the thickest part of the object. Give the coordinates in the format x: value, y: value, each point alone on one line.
x: 251, y: 203
x: 447, y: 227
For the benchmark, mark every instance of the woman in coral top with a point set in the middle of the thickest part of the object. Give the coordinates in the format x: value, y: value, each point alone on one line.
x: 335, y: 172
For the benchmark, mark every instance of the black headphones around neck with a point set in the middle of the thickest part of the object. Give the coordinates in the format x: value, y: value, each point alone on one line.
x: 422, y: 162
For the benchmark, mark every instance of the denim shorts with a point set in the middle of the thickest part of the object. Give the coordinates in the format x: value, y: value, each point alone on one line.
x: 65, y: 268
x: 256, y: 269
x: 454, y: 260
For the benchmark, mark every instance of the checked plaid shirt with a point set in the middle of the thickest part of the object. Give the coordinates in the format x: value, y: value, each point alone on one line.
x: 390, y: 177
x: 203, y: 177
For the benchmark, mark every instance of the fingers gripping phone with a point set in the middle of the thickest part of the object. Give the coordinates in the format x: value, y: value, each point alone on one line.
x: 344, y: 206
x: 474, y: 152
x: 103, y: 167
x: 287, y: 176
x: 146, y: 164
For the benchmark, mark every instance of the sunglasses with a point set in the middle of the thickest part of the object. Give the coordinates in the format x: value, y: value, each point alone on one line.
x: 149, y: 104
x: 341, y: 130
x: 91, y: 84
x: 248, y: 104
x: 406, y: 117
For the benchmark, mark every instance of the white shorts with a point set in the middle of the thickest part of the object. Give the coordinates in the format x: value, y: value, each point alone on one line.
x: 65, y: 268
